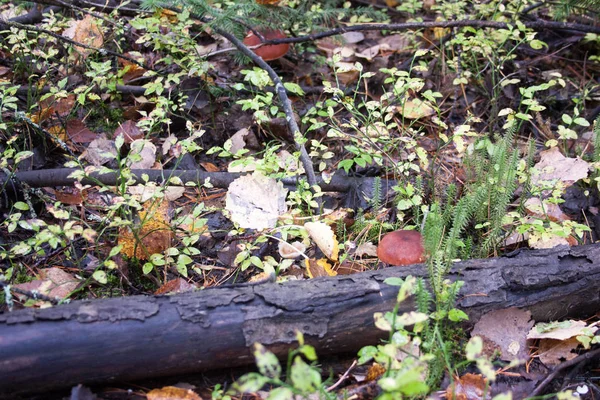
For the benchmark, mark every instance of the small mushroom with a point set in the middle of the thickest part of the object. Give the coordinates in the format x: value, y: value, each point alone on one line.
x: 401, y: 248
x: 268, y: 52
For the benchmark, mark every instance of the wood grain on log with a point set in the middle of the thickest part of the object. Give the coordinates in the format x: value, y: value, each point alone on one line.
x: 149, y: 336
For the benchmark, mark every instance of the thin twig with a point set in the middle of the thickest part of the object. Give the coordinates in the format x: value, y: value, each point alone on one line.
x: 342, y: 378
x: 283, y: 98
x: 30, y: 293
x: 4, y: 24
x: 567, y: 364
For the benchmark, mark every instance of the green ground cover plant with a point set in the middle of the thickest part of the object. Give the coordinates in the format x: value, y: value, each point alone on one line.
x: 457, y: 117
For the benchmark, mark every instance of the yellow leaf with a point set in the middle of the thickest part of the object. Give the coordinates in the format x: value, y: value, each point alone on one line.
x: 317, y: 268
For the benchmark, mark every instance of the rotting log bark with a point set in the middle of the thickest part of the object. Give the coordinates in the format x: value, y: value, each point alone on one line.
x: 145, y: 336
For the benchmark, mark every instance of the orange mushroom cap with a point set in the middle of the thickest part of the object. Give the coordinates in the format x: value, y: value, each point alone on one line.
x: 401, y: 248
x: 269, y: 52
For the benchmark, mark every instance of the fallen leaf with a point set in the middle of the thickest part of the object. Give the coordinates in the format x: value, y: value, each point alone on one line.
x: 69, y: 195
x: 78, y: 132
x: 369, y: 53
x: 129, y: 130
x: 553, y: 352
x: 291, y: 250
x: 288, y: 163
x: 554, y: 166
x: 100, y: 151
x: 468, y: 387
x: 557, y: 330
x: 172, y: 393
x: 256, y: 201
x: 178, y: 285
x: 544, y: 209
x: 84, y: 31
x: 147, y: 152
x: 318, y: 268
x: 324, y: 238
x: 238, y: 141
x: 154, y: 232
x: 366, y: 249
x: 506, y: 329
x: 415, y: 109
x: 353, y: 37
x: 53, y: 282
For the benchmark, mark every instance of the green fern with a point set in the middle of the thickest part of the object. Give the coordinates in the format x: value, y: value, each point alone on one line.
x: 375, y: 200
x: 568, y: 7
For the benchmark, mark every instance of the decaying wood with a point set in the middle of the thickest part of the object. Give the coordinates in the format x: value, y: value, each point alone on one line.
x: 144, y: 336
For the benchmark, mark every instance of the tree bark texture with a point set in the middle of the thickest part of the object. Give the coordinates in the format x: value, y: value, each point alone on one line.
x: 150, y: 336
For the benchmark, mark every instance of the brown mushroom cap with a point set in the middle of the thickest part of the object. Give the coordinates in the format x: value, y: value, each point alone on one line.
x: 272, y: 51
x: 401, y: 248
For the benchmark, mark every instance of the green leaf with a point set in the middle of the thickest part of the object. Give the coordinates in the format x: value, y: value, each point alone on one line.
x: 22, y: 155
x: 581, y: 121
x: 19, y: 205
x: 309, y: 352
x: 456, y: 315
x: 100, y: 276
x: 267, y: 362
x: 537, y: 44
x: 474, y: 348
x: 366, y: 354
x: 293, y: 88
x: 182, y: 269
x: 281, y: 393
x: 147, y: 268
x: 115, y: 250
x: 393, y: 281
x: 250, y: 383
x: 304, y: 377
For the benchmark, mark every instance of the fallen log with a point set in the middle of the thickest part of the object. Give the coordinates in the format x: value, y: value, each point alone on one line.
x: 150, y: 336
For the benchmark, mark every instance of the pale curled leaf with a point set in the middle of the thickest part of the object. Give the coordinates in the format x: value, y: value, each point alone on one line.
x: 324, y: 238
x: 256, y: 201
x: 291, y: 250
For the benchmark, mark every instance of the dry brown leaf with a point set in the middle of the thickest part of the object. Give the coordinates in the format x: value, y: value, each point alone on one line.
x: 70, y: 195
x: 53, y: 282
x: 317, y: 268
x: 544, y: 209
x: 85, y: 31
x: 324, y: 238
x: 129, y: 130
x: 468, y: 387
x: 553, y: 165
x: 552, y: 352
x: 507, y: 329
x: 562, y: 331
x: 178, y: 285
x: 53, y: 107
x: 256, y: 201
x: 78, y: 132
x: 146, y: 150
x: 366, y: 249
x: 172, y: 393
x: 100, y: 151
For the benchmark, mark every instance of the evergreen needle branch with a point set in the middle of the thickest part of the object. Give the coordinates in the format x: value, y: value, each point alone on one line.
x: 535, y: 25
x: 7, y: 24
x: 283, y: 98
